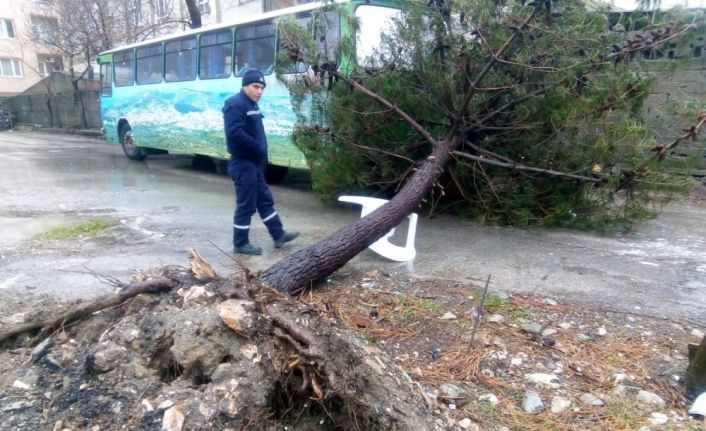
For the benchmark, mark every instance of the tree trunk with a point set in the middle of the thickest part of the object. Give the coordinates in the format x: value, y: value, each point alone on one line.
x: 78, y: 103
x: 313, y: 263
x: 695, y: 379
x: 194, y: 13
x: 51, y: 113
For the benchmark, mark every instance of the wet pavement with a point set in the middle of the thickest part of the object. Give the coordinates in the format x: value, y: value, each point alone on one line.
x: 164, y: 205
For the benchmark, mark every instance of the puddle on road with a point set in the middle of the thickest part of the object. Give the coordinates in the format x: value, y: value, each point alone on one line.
x: 16, y: 230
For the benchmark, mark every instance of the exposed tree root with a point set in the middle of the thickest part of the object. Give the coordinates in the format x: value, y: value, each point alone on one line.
x: 85, y: 309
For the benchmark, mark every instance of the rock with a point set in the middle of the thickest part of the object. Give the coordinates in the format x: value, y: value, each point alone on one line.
x: 450, y: 393
x: 491, y: 398
x: 448, y: 316
x: 546, y: 380
x: 532, y: 402
x: 61, y: 357
x: 42, y: 349
x: 173, y: 419
x: 601, y: 331
x: 560, y: 404
x: 250, y: 351
x: 549, y: 331
x: 166, y: 404
x: 647, y: 397
x: 590, y: 399
x: 697, y: 333
x: 532, y: 328
x: 362, y: 320
x: 116, y: 407
x: 436, y: 354
x: 550, y: 301
x: 620, y: 377
x: 16, y: 405
x: 657, y: 418
x: 467, y: 424
x: 200, y: 347
x: 496, y: 318
x: 195, y: 293
x: 620, y: 391
x: 52, y: 363
x: 230, y: 394
x: 147, y: 406
x: 19, y: 384
x: 565, y: 325
x: 105, y: 357
x: 516, y: 362
x: 240, y: 316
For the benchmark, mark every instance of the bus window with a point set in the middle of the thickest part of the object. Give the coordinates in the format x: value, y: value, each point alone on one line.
x: 124, y: 68
x: 180, y: 60
x: 374, y: 20
x: 149, y: 64
x: 330, y: 25
x: 255, y: 48
x: 216, y: 55
x: 106, y: 80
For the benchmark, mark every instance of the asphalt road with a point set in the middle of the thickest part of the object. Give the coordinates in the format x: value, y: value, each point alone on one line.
x: 165, y: 205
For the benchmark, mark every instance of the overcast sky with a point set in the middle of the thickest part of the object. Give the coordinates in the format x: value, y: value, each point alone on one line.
x: 631, y: 4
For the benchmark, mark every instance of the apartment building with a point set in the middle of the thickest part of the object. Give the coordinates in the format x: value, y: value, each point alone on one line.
x: 22, y: 62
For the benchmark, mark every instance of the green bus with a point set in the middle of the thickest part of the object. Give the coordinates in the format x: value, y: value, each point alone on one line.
x: 166, y: 94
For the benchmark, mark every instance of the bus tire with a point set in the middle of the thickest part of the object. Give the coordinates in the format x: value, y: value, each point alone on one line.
x: 131, y: 150
x: 275, y: 174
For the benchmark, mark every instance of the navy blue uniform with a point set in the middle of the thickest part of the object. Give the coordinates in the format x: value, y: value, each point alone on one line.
x: 247, y: 145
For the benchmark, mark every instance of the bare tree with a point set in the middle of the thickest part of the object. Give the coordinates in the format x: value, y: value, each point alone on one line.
x: 194, y: 13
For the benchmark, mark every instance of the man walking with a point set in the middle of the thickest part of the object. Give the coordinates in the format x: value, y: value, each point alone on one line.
x: 247, y: 145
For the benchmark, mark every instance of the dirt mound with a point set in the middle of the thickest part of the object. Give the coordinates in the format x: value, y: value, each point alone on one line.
x: 362, y: 351
x: 215, y: 355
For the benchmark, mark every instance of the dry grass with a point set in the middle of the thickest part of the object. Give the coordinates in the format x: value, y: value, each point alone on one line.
x: 406, y: 324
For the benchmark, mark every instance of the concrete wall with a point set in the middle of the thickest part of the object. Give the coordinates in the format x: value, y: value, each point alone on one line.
x: 66, y: 109
x: 672, y: 88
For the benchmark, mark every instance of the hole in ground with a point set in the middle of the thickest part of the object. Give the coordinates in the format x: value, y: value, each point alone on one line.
x: 164, y: 362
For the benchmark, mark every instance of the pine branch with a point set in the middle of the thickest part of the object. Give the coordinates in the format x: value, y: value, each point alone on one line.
x: 418, y: 127
x: 521, y: 167
x: 692, y: 133
x: 488, y: 66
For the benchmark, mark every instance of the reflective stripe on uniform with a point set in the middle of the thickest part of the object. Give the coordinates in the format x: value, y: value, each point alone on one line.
x: 252, y: 113
x: 269, y: 217
x: 241, y: 227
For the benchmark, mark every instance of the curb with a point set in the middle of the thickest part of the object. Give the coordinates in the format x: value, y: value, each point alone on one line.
x: 92, y: 133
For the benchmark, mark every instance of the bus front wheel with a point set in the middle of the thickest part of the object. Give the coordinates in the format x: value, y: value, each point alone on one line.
x: 130, y: 148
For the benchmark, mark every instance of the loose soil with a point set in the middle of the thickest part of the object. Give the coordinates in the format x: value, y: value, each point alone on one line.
x: 397, y: 353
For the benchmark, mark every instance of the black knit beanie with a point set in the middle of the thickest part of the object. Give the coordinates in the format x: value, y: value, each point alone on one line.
x: 254, y: 76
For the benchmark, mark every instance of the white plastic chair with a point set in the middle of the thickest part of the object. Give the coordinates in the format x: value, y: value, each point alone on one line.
x: 383, y: 247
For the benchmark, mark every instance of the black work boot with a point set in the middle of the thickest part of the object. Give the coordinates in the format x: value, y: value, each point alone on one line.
x: 288, y: 236
x: 248, y: 249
